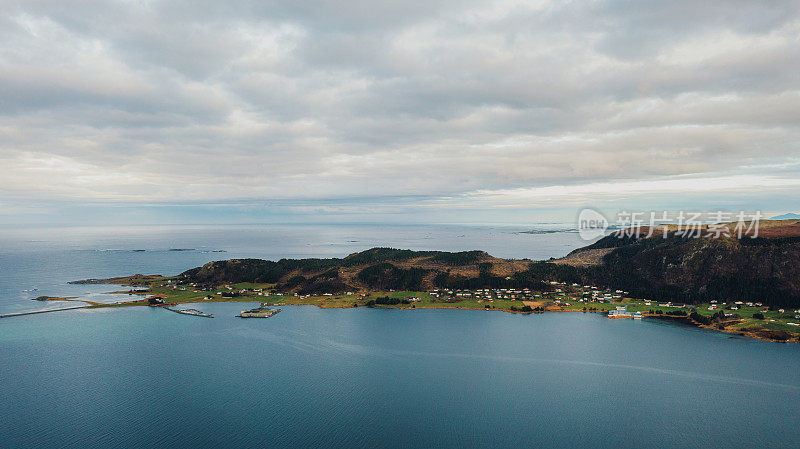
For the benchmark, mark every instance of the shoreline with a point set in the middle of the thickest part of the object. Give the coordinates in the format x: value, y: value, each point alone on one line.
x: 684, y: 319
x: 731, y: 329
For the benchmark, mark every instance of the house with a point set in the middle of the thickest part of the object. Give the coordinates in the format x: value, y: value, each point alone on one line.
x: 622, y: 312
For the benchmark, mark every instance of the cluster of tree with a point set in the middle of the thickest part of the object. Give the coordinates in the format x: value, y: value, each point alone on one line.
x: 382, y: 255
x: 307, y: 265
x: 702, y: 319
x: 614, y: 240
x: 760, y: 241
x: 521, y: 309
x: 715, y: 318
x: 327, y: 282
x: 385, y: 276
x: 669, y: 312
x: 459, y: 258
x: 546, y: 272
x: 375, y: 255
x: 486, y: 279
x: 387, y: 301
x: 233, y: 271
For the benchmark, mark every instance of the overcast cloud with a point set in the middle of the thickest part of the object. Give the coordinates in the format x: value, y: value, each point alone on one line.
x: 446, y: 104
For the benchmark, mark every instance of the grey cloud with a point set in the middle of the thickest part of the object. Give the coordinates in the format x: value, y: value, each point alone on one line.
x: 638, y: 28
x: 209, y: 100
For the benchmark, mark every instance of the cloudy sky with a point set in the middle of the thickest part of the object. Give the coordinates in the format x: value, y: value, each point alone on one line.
x: 432, y: 111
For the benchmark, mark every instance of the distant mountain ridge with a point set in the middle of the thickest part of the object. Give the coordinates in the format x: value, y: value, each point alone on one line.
x: 788, y: 216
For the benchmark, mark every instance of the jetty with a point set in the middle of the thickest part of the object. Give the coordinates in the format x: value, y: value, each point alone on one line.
x: 158, y: 301
x: 192, y: 312
x: 33, y: 312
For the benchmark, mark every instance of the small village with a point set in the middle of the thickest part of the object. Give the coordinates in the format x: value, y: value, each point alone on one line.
x: 563, y: 294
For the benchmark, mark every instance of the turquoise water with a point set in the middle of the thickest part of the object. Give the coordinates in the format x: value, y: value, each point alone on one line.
x: 309, y: 377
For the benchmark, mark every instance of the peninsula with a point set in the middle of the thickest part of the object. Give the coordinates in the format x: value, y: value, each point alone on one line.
x: 747, y: 286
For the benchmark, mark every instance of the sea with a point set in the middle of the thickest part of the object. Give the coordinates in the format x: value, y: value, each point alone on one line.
x: 310, y: 377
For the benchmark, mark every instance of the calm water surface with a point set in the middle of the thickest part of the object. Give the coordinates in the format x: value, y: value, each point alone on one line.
x: 362, y: 377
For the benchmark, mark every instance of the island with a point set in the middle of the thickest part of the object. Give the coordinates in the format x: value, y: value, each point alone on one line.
x: 745, y: 286
x: 262, y: 311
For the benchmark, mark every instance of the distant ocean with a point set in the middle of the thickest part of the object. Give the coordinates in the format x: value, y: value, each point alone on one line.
x: 345, y: 378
